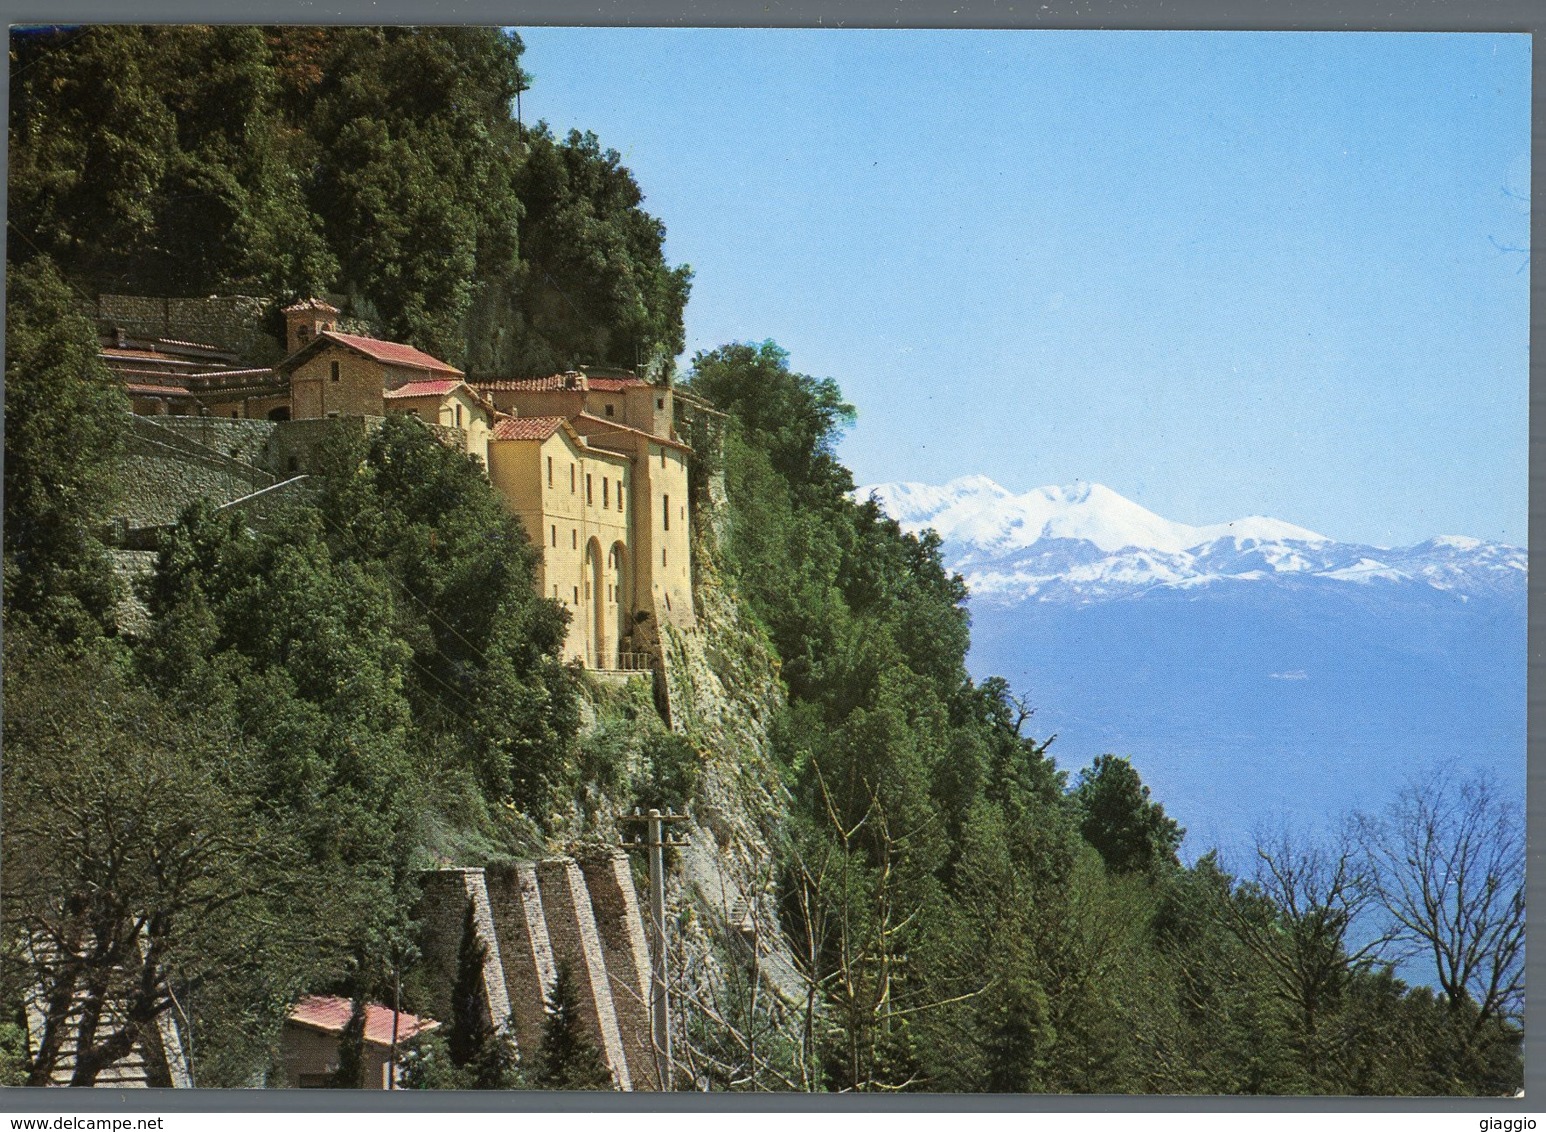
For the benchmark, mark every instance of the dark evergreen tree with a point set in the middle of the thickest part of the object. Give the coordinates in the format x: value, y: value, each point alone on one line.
x: 64, y: 424
x: 350, y: 1073
x: 1117, y: 817
x: 568, y: 1059
x: 486, y: 1057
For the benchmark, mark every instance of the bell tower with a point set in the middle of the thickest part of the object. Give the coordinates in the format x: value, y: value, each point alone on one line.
x: 305, y: 320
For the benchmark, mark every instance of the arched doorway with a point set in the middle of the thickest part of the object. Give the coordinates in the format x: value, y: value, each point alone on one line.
x: 595, y: 591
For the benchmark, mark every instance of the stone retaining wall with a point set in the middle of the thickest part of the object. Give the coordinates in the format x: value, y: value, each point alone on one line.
x: 534, y: 917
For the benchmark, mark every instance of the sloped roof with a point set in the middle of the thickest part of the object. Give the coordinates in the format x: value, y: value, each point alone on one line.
x: 558, y: 382
x: 527, y: 428
x: 422, y: 389
x: 586, y: 424
x: 136, y: 390
x: 330, y: 1014
x: 392, y: 353
x: 388, y: 353
x: 611, y: 384
x: 553, y: 383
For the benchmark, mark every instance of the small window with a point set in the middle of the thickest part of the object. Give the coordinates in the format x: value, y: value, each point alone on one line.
x: 555, y: 591
x: 553, y: 534
x: 662, y: 556
x: 662, y: 457
x: 572, y: 480
x: 619, y: 495
x: 333, y: 369
x: 233, y: 414
x: 333, y: 414
x: 458, y: 416
x: 665, y: 511
x: 660, y: 402
x: 589, y: 495
x: 577, y: 595
x: 302, y: 333
x: 606, y: 490
x: 609, y: 410
x: 550, y: 471
x: 294, y: 463
x: 574, y: 539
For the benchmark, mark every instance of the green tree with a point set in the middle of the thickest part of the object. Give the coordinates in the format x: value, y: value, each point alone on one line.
x: 64, y: 423
x: 141, y: 867
x: 594, y: 285
x: 1127, y: 828
x: 568, y: 1059
x: 350, y: 1073
x: 485, y: 1057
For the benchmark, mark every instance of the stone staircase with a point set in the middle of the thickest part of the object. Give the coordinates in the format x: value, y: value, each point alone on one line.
x: 156, y: 1060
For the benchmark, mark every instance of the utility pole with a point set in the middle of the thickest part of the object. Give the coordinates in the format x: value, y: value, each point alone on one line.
x: 660, y: 1006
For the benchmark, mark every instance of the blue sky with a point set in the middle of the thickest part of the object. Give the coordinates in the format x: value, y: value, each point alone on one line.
x: 1221, y: 273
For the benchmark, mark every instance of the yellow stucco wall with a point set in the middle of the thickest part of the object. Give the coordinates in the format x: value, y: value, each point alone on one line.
x: 442, y: 409
x: 573, y: 502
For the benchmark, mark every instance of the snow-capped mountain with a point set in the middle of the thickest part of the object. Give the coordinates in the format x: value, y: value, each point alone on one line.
x: 1253, y: 670
x: 1085, y: 542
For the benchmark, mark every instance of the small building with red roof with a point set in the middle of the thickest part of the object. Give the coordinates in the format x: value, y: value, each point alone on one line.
x: 308, y: 1043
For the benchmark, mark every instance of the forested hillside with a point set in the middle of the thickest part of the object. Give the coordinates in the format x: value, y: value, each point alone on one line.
x: 232, y: 806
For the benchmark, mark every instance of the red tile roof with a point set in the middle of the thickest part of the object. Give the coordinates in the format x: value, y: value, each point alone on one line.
x: 135, y: 390
x: 586, y: 424
x: 330, y: 1014
x: 552, y: 383
x: 611, y: 384
x: 422, y: 389
x: 392, y: 353
x: 555, y: 382
x: 527, y: 428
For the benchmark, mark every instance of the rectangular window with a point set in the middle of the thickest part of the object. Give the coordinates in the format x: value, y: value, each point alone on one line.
x: 577, y: 595
x: 606, y: 490
x: 662, y: 556
x: 665, y: 510
x: 662, y: 457
x: 334, y: 370
x: 458, y: 416
x: 572, y: 481
x: 589, y: 495
x: 660, y: 402
x: 609, y: 410
x: 550, y: 471
x: 553, y: 533
x: 574, y: 539
x: 619, y: 495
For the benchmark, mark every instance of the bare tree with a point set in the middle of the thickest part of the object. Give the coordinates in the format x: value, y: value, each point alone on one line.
x: 1447, y: 864
x: 1296, y: 915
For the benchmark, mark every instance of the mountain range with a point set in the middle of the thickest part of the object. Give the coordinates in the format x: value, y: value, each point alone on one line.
x: 1255, y: 671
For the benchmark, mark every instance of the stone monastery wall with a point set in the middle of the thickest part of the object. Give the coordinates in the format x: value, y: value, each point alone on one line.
x: 231, y: 322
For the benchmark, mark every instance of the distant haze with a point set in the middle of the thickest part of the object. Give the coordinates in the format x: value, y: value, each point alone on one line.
x: 1255, y: 672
